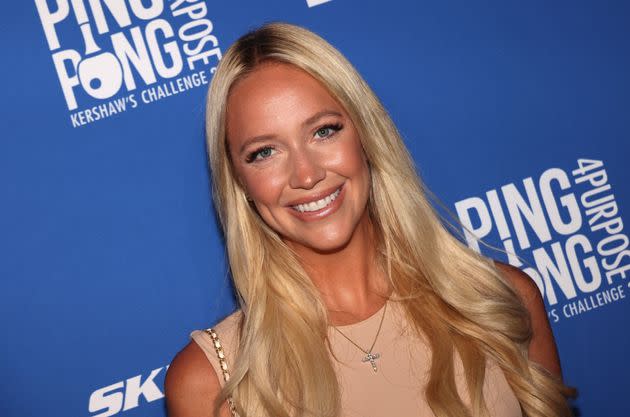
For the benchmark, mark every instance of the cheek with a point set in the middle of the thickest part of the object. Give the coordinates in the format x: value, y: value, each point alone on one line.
x: 264, y: 185
x: 351, y: 159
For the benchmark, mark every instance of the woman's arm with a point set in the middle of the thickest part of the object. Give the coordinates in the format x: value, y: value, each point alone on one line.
x: 191, y: 385
x: 542, y: 348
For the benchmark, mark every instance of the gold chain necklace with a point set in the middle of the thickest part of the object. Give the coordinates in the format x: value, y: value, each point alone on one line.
x: 369, y: 356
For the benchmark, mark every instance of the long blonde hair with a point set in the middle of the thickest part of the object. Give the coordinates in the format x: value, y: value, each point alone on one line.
x: 453, y: 296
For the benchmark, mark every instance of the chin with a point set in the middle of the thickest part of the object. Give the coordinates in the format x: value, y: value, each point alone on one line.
x: 325, y: 245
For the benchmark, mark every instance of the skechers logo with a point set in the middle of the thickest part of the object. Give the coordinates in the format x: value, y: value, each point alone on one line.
x: 125, y: 395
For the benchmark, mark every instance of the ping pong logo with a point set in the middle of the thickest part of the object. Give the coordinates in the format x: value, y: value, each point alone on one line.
x: 125, y: 395
x: 576, y: 235
x: 114, y: 44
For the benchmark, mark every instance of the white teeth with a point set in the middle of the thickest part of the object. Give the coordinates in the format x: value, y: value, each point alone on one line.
x: 317, y: 205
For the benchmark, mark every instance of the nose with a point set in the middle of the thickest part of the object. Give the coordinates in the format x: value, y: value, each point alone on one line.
x: 306, y: 170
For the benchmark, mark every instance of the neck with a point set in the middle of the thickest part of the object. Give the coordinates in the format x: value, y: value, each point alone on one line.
x: 350, y: 281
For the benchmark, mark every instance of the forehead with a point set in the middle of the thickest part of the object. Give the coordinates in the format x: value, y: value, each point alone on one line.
x: 275, y: 96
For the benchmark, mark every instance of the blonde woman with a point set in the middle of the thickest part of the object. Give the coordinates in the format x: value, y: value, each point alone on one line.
x: 354, y: 299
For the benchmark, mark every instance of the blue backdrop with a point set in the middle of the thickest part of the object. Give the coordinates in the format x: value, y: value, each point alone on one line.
x: 516, y: 113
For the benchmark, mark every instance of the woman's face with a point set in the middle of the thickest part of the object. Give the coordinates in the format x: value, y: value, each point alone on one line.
x: 298, y: 156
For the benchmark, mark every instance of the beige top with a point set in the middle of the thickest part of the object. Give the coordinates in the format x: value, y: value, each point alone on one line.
x: 403, y: 367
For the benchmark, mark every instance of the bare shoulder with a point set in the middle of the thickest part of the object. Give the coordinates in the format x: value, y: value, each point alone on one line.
x: 523, y: 283
x: 192, y: 385
x: 542, y: 348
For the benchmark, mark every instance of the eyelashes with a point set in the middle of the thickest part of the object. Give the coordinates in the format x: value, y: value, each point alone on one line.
x: 265, y: 152
x: 260, y: 153
x: 335, y: 127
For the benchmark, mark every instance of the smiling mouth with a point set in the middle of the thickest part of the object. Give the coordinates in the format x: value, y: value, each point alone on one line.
x: 317, y: 205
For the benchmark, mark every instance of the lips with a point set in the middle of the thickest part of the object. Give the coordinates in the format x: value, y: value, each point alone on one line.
x: 315, y: 196
x: 318, y: 205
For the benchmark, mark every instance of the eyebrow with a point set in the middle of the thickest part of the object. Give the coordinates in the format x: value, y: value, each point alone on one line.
x: 305, y: 123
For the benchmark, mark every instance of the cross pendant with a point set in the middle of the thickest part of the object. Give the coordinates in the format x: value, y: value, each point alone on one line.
x: 372, y: 357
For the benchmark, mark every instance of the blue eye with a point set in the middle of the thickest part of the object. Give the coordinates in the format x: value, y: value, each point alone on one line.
x: 265, y: 152
x: 259, y: 154
x: 331, y: 129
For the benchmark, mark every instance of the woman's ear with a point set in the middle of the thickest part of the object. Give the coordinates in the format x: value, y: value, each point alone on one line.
x: 243, y: 189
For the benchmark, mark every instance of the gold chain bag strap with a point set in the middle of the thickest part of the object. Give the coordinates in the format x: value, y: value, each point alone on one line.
x: 223, y: 363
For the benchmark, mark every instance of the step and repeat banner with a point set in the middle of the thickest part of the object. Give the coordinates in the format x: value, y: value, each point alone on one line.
x: 517, y: 114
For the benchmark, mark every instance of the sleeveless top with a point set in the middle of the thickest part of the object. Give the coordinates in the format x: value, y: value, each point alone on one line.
x: 397, y: 388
